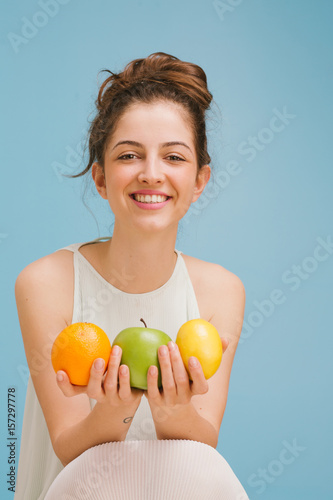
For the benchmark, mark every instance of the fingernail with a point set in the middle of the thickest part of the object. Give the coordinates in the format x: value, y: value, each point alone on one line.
x: 172, y: 346
x: 60, y: 377
x: 99, y: 364
x: 163, y: 350
x: 115, y: 350
x: 153, y: 370
x: 123, y: 370
x: 193, y: 362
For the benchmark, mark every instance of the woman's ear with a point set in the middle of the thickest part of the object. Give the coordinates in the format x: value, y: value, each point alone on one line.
x: 99, y: 179
x: 201, y: 181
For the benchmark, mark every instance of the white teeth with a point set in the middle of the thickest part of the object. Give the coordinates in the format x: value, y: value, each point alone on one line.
x: 147, y: 198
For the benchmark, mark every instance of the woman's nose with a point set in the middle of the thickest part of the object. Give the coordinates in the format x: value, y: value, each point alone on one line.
x: 151, y: 172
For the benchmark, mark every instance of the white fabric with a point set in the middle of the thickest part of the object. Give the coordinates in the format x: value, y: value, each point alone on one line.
x: 97, y: 301
x: 148, y: 470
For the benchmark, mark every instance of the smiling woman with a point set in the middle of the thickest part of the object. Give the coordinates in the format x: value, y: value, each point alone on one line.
x: 148, y: 159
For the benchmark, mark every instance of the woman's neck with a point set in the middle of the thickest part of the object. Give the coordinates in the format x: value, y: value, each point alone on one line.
x: 137, y: 263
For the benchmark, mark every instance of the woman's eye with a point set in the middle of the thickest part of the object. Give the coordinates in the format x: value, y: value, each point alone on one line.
x: 175, y: 157
x: 126, y: 157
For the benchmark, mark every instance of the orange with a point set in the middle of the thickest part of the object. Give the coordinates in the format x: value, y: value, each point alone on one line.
x: 201, y: 339
x: 75, y: 349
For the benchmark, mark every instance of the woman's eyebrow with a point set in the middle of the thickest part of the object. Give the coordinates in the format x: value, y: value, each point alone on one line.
x: 164, y: 145
x: 174, y: 143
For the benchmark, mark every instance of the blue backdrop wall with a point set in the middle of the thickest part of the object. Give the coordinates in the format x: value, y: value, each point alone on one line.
x: 266, y: 214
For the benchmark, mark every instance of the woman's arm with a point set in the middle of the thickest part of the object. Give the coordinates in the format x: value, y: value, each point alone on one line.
x: 184, y: 411
x: 44, y: 295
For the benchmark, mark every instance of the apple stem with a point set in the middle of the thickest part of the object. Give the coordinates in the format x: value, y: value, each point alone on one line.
x: 143, y: 322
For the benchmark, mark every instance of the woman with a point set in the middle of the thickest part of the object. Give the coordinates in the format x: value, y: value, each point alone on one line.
x: 149, y: 161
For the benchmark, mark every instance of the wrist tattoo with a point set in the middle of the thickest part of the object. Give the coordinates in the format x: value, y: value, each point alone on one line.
x: 127, y: 420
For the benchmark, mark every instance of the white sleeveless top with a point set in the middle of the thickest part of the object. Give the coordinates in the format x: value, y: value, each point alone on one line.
x: 99, y: 302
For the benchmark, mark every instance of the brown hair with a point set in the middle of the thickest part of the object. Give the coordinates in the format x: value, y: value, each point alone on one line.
x: 159, y: 76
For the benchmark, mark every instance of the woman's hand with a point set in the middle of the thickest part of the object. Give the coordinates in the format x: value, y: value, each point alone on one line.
x: 178, y: 389
x: 110, y: 418
x: 113, y: 387
x: 174, y: 414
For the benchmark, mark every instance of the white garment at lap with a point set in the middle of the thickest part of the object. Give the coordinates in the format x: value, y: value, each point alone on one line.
x: 148, y: 470
x: 97, y: 301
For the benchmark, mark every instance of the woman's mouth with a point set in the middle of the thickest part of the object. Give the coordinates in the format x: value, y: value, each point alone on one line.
x: 150, y: 201
x: 150, y: 198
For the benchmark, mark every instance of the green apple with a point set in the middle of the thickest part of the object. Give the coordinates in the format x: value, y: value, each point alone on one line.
x: 139, y: 351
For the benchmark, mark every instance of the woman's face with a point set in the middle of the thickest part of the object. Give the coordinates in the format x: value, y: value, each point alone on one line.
x: 150, y: 168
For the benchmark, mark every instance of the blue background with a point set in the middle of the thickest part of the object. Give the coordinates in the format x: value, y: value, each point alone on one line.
x: 259, y: 222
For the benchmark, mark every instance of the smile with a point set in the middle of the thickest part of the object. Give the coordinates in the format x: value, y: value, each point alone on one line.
x: 150, y: 201
x: 147, y: 198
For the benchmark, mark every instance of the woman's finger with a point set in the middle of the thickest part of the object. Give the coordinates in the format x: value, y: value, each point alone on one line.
x: 200, y: 384
x: 153, y: 392
x: 66, y: 387
x: 168, y: 381
x: 94, y: 387
x: 111, y: 379
x: 179, y: 372
x: 225, y: 343
x: 125, y: 392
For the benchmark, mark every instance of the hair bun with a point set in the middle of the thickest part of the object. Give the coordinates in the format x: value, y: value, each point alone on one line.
x: 164, y: 69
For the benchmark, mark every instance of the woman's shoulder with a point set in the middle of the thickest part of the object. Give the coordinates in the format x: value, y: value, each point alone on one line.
x: 49, y: 279
x: 213, y: 284
x: 49, y: 266
x: 210, y: 273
